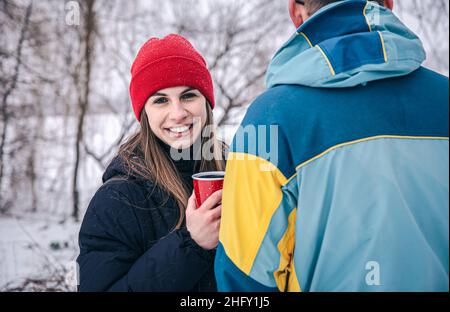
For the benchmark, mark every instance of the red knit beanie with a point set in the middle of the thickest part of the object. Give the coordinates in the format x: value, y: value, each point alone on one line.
x: 166, y: 63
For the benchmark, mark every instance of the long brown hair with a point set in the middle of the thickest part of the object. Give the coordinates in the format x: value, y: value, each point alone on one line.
x: 144, y: 157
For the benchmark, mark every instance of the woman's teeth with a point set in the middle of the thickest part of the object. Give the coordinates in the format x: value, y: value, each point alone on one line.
x: 179, y: 132
x: 179, y: 129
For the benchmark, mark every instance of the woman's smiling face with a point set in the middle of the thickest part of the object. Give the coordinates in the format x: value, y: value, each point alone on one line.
x: 177, y: 115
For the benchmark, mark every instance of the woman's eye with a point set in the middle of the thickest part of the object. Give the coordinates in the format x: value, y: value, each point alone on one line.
x: 160, y: 101
x: 188, y: 96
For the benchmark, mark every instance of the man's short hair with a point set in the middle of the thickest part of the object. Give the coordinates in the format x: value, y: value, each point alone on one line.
x: 312, y: 6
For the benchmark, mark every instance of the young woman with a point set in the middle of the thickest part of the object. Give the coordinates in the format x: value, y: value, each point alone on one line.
x: 142, y: 230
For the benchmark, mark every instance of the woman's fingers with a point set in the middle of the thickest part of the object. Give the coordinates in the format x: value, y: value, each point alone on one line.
x: 217, y: 224
x: 212, y: 201
x: 216, y: 213
x: 191, y: 203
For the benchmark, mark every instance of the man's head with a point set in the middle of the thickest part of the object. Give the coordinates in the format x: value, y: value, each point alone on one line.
x: 301, y: 10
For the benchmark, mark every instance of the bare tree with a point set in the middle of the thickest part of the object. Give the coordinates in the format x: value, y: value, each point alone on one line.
x: 430, y: 20
x: 88, y: 41
x: 11, y: 86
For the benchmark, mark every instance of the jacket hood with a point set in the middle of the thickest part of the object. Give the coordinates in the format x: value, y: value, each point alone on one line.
x: 346, y: 44
x: 117, y: 167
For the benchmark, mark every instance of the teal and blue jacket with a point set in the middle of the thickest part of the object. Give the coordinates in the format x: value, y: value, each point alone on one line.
x: 338, y: 178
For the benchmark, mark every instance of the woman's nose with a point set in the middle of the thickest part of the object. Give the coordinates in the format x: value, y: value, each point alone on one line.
x: 178, y: 112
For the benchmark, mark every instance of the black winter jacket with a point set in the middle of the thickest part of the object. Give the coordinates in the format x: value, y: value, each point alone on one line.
x: 127, y: 243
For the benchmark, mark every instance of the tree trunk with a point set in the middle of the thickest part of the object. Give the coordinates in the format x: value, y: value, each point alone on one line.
x: 4, y: 108
x: 84, y: 102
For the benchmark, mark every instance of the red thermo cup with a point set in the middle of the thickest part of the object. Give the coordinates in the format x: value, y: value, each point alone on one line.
x: 206, y: 184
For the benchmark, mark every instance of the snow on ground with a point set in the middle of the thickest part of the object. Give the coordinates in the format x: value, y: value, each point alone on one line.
x: 36, y: 247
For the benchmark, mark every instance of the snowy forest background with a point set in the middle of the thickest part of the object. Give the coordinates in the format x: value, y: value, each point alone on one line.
x: 65, y: 108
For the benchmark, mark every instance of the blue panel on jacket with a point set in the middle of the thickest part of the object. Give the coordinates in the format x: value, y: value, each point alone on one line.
x: 349, y: 52
x: 312, y: 120
x: 346, y: 19
x: 224, y: 269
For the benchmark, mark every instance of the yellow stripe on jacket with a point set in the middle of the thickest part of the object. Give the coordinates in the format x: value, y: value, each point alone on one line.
x: 248, y: 206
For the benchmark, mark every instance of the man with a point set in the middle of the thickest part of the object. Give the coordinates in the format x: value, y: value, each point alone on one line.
x: 357, y: 197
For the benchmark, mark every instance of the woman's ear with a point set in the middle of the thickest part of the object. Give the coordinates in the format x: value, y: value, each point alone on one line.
x: 295, y: 11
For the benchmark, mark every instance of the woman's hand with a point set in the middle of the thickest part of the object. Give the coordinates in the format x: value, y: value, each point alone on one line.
x: 203, y: 223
